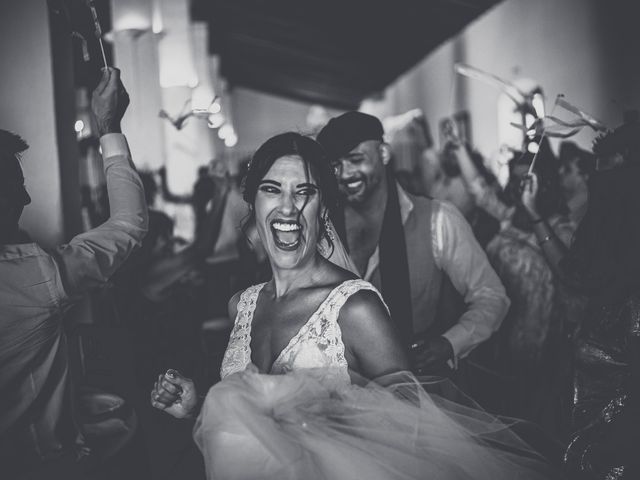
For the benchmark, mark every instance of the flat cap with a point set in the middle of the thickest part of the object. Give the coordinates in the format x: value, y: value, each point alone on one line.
x: 342, y: 134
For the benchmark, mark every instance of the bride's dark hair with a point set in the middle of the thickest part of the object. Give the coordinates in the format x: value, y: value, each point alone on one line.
x: 316, y: 165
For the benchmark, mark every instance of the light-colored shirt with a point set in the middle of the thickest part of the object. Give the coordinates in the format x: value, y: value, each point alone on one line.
x: 459, y: 255
x: 37, y: 287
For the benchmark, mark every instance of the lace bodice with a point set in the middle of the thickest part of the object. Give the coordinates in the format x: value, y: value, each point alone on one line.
x: 318, y: 343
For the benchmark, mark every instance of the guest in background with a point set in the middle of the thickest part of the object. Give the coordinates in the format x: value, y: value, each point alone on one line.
x: 203, y: 192
x: 603, y: 262
x: 37, y: 287
x: 576, y: 166
x: 525, y: 355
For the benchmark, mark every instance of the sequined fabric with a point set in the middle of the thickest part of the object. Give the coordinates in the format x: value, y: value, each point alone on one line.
x: 601, y: 382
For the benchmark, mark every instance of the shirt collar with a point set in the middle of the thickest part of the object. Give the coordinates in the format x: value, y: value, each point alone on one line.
x: 18, y: 250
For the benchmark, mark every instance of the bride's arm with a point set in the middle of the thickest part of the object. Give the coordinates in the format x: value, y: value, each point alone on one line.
x: 176, y: 395
x: 372, y: 346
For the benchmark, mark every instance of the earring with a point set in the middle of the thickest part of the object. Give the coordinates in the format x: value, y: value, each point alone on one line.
x: 328, y: 227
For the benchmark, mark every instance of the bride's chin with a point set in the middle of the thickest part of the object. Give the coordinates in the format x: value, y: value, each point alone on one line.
x: 288, y: 259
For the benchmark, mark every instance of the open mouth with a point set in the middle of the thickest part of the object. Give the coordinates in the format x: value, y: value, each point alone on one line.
x: 353, y: 186
x: 286, y: 234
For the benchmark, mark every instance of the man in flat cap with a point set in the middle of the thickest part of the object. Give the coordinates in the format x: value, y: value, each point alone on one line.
x: 413, y: 249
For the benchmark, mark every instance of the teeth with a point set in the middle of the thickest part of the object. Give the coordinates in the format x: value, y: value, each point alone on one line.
x: 286, y: 227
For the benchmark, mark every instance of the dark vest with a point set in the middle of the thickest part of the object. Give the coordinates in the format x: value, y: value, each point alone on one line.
x: 435, y: 302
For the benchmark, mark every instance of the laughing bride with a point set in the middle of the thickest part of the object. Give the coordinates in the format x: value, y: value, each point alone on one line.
x: 315, y: 383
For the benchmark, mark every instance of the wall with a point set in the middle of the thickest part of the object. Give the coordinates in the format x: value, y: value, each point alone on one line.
x: 568, y: 46
x: 258, y: 116
x: 27, y: 108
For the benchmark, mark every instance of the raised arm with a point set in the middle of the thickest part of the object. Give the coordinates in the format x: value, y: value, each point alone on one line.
x: 90, y: 258
x: 483, y: 195
x: 553, y: 246
x: 372, y: 347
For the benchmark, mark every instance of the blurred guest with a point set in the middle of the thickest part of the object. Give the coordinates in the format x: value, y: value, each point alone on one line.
x: 603, y: 262
x: 450, y: 185
x: 234, y: 212
x: 411, y: 247
x: 162, y: 299
x: 523, y: 355
x: 159, y: 238
x: 166, y: 272
x: 203, y: 190
x: 408, y: 180
x: 37, y: 287
x: 576, y: 166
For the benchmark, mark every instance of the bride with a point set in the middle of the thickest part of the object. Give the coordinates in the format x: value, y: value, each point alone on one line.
x: 315, y: 382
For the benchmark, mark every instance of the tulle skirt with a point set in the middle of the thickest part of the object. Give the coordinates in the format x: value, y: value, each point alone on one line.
x: 305, y: 425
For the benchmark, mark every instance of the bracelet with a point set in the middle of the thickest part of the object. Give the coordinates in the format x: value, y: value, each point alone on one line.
x: 544, y: 240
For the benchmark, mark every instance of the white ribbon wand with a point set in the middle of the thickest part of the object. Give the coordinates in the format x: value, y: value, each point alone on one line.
x: 513, y: 92
x: 544, y: 132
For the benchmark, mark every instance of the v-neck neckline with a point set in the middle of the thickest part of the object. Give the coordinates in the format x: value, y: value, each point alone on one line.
x: 293, y: 340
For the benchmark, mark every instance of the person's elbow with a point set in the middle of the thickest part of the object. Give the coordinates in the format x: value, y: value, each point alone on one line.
x: 492, y: 303
x: 139, y: 224
x: 135, y: 224
x: 503, y: 304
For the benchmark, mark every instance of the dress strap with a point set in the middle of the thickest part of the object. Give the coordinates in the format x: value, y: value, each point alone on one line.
x: 247, y: 305
x: 237, y: 356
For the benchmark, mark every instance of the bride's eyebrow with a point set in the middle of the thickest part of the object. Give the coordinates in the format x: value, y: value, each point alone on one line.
x: 271, y: 182
x: 307, y: 185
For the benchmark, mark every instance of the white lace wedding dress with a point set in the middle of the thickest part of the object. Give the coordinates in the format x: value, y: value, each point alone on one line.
x: 306, y: 420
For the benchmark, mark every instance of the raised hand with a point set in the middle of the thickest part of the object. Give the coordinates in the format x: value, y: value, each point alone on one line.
x: 109, y: 101
x: 529, y: 195
x: 175, y: 394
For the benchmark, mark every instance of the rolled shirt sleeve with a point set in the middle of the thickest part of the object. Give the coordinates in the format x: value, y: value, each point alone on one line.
x: 459, y: 255
x: 90, y: 258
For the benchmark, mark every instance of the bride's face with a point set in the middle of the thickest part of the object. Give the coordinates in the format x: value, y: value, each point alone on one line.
x: 287, y: 207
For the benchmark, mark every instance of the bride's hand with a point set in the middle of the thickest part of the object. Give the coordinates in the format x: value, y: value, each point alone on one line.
x: 175, y: 394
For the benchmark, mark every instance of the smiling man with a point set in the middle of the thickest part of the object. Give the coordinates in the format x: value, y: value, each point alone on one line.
x: 412, y: 248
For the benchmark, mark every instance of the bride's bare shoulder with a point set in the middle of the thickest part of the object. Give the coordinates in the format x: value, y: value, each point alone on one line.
x: 338, y: 274
x: 364, y: 305
x: 370, y: 339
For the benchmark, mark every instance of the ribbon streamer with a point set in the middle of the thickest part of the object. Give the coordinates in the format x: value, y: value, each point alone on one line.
x: 555, y: 127
x: 513, y: 92
x: 588, y: 119
x: 555, y: 131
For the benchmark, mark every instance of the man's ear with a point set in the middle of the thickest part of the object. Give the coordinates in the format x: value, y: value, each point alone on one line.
x: 385, y: 153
